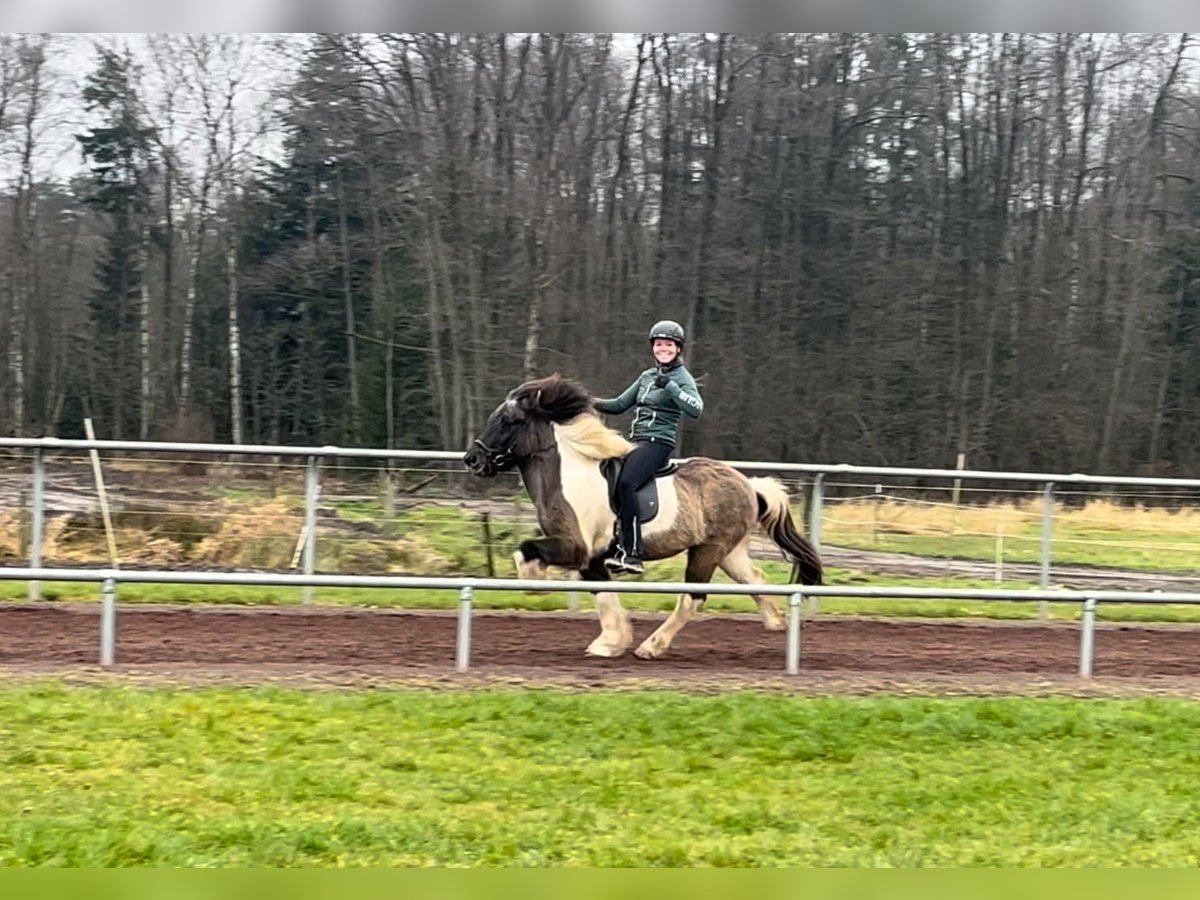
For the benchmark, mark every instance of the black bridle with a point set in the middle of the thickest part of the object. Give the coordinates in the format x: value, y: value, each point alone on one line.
x: 506, y: 457
x: 497, y: 459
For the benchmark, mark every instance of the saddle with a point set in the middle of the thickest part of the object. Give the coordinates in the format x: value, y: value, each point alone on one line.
x: 647, y: 495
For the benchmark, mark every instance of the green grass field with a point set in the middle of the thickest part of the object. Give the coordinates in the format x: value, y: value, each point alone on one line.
x: 120, y: 776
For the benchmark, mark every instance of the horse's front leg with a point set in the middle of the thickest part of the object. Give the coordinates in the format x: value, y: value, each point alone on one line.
x: 533, y: 556
x: 616, y: 632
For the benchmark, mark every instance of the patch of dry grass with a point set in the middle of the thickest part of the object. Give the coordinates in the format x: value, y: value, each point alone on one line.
x: 918, y: 517
x: 1099, y: 532
x: 10, y: 534
x: 896, y: 516
x: 261, y: 534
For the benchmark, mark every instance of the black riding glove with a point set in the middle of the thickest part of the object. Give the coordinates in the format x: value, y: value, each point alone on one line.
x: 662, y: 379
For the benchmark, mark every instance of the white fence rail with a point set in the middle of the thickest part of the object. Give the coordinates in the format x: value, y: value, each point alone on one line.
x: 54, y: 444
x: 466, y: 588
x: 40, y: 448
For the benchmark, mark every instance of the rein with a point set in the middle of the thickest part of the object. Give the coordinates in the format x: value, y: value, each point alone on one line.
x: 502, y: 459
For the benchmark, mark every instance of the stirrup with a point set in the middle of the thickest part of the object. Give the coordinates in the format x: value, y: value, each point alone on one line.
x: 623, y: 562
x: 616, y: 562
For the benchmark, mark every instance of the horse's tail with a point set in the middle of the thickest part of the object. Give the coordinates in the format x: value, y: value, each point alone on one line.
x: 775, y: 515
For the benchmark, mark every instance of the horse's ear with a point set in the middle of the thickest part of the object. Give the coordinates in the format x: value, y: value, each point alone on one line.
x: 530, y: 402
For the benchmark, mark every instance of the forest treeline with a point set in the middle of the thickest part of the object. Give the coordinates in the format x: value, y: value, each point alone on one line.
x: 885, y: 248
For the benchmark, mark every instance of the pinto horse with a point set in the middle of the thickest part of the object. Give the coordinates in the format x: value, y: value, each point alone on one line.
x: 549, y: 431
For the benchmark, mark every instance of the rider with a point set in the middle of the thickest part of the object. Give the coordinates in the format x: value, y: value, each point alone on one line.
x: 660, y: 394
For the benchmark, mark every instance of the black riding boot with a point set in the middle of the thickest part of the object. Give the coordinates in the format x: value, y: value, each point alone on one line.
x: 628, y: 556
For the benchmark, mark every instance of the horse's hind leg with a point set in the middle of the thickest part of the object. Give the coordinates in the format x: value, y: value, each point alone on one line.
x: 740, y: 567
x: 616, y: 633
x: 702, y: 562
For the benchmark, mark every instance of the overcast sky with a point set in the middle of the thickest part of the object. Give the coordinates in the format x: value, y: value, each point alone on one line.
x: 72, y: 57
x: 813, y: 15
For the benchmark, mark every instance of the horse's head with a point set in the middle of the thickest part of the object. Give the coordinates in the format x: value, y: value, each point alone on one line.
x: 496, y: 450
x: 521, y: 425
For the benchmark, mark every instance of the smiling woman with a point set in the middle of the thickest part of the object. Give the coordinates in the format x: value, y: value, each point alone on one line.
x: 660, y: 397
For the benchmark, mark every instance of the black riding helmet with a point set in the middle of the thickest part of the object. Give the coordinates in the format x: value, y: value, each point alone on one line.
x: 671, y: 331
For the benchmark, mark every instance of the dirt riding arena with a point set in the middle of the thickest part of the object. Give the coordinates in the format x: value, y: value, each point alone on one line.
x: 352, y: 646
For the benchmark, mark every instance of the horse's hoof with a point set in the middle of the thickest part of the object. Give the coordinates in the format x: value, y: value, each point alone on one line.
x: 645, y: 651
x: 530, y: 569
x: 599, y: 647
x: 775, y: 625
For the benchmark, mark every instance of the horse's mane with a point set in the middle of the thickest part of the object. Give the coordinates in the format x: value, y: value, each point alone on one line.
x: 568, y: 404
x: 554, y: 397
x: 590, y: 437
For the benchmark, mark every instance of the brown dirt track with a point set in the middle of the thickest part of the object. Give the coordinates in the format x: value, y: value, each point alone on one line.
x: 333, y: 646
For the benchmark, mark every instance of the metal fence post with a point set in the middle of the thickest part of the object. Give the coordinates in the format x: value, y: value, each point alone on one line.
x: 815, y: 510
x: 816, y: 515
x: 462, y: 653
x: 793, y: 633
x: 485, y: 521
x: 1047, y: 526
x: 311, y: 488
x: 37, y: 526
x: 574, y: 598
x: 108, y: 621
x: 1087, y: 639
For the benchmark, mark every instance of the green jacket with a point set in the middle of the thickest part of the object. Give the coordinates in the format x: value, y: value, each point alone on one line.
x: 657, y: 413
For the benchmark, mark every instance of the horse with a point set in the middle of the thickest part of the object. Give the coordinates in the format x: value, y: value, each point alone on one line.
x: 548, y: 429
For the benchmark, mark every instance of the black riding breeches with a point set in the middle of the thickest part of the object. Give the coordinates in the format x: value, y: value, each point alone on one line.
x: 646, y: 458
